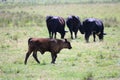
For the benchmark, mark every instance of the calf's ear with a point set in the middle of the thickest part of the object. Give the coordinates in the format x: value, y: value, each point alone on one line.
x: 66, y: 40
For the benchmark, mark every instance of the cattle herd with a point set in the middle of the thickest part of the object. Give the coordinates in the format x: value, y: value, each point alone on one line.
x: 57, y: 24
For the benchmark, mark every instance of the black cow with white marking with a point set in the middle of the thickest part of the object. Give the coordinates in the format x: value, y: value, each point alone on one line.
x: 55, y: 24
x: 93, y: 26
x: 74, y: 24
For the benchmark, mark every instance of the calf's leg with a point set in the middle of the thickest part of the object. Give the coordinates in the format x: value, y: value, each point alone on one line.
x: 35, y: 56
x: 27, y: 56
x: 54, y: 56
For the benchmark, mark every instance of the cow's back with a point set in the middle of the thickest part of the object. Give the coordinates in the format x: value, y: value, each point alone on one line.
x: 92, y: 24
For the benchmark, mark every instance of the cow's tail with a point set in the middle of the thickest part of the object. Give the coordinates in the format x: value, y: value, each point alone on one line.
x: 103, y: 30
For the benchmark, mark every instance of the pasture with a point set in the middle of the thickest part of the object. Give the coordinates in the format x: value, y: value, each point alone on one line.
x: 85, y: 61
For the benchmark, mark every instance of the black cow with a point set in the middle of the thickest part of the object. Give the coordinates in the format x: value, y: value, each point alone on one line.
x: 93, y: 26
x: 55, y: 24
x: 74, y: 24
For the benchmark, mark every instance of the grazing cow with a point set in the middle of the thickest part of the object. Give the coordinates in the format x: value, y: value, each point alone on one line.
x: 55, y: 24
x: 93, y: 26
x: 46, y: 44
x: 74, y: 24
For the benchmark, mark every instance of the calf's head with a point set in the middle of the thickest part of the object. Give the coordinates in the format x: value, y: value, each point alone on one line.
x: 67, y: 44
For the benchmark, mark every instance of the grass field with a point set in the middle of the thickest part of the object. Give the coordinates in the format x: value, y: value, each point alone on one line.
x: 85, y: 61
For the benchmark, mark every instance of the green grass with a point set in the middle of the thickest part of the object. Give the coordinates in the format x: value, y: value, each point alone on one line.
x: 35, y: 15
x: 94, y: 60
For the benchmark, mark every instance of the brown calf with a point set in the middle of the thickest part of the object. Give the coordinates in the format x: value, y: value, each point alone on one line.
x: 46, y: 44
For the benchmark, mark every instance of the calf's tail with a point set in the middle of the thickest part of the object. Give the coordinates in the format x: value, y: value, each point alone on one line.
x: 29, y: 41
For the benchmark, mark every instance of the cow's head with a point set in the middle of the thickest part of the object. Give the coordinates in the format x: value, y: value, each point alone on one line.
x: 101, y: 36
x: 63, y: 34
x: 81, y: 28
x: 67, y: 44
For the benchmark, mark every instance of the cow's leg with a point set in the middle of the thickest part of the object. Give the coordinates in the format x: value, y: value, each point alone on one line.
x: 27, y: 55
x: 49, y: 32
x: 35, y: 56
x: 94, y: 36
x: 76, y: 34
x: 87, y: 37
x: 71, y: 34
x: 52, y: 34
x: 55, y: 35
